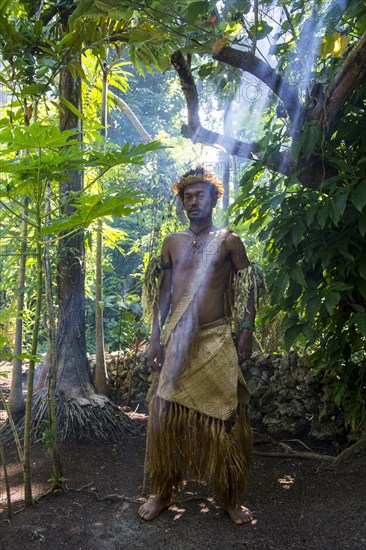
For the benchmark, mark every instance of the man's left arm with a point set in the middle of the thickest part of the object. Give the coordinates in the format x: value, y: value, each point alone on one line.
x: 241, y: 264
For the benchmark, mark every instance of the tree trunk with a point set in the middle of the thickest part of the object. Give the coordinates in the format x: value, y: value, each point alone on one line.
x: 101, y: 375
x: 16, y: 399
x: 6, y: 481
x: 29, y: 403
x: 51, y: 441
x: 74, y: 380
x: 82, y: 412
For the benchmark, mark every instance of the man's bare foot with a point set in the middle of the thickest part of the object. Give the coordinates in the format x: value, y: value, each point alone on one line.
x: 239, y: 514
x: 153, y: 507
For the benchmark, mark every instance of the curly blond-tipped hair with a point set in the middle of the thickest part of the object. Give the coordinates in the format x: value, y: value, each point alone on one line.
x: 198, y: 175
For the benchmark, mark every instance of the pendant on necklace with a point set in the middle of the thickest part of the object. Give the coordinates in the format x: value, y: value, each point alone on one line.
x: 195, y: 242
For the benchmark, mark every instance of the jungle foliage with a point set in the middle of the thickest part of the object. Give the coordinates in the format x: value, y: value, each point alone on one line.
x: 303, y: 191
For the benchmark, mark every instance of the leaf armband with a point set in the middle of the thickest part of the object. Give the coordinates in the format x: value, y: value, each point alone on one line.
x: 151, y: 287
x: 248, y: 325
x: 247, y: 280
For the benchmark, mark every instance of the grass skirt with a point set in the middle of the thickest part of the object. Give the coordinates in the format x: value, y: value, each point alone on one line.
x: 199, y: 424
x: 184, y: 443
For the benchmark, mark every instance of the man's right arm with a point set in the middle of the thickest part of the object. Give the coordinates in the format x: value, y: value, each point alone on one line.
x: 155, y: 355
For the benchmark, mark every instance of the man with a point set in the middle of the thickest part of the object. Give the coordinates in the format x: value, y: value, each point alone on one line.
x: 199, y: 418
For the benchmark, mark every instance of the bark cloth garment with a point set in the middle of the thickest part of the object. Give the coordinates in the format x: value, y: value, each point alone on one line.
x: 199, y: 408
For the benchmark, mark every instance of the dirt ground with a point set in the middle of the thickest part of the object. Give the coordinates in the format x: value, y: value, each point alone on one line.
x: 297, y: 503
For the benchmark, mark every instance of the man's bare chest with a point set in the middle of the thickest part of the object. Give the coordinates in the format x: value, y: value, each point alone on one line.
x: 189, y: 257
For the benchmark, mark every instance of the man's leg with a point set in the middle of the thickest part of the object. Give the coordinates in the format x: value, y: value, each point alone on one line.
x: 239, y: 514
x: 239, y: 444
x: 164, y: 477
x: 152, y: 508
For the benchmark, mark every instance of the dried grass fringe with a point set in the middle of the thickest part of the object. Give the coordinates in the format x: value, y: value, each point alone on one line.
x: 246, y: 280
x: 151, y: 287
x: 182, y: 441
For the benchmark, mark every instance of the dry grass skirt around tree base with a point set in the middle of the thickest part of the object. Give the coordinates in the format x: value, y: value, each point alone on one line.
x: 88, y: 422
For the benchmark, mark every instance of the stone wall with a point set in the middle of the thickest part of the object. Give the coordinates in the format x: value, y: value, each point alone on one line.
x: 128, y: 375
x: 287, y: 399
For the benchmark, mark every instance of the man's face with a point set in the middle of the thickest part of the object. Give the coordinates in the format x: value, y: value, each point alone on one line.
x: 198, y: 202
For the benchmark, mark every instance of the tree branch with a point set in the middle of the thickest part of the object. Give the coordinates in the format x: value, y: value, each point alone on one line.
x: 199, y: 134
x: 349, y: 76
x: 194, y: 130
x: 251, y: 64
x: 310, y: 173
x: 189, y: 89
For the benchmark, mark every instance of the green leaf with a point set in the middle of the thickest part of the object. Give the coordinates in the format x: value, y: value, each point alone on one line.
x: 282, y: 230
x: 343, y: 249
x: 66, y: 39
x: 297, y: 147
x: 313, y: 306
x: 292, y: 333
x: 298, y: 231
x: 206, y: 69
x: 340, y: 392
x: 360, y: 320
x: 72, y: 108
x: 35, y: 89
x: 114, y: 202
x: 42, y: 72
x: 331, y: 301
x: 361, y: 287
x: 297, y: 274
x: 198, y: 10
x: 35, y: 136
x: 341, y: 200
x: 362, y: 267
x: 309, y: 333
x: 310, y: 215
x: 278, y: 49
x: 322, y: 215
x: 83, y: 8
x: 358, y: 196
x: 341, y: 286
x: 164, y: 63
x: 277, y: 199
x: 311, y: 141
x: 278, y: 288
x: 138, y: 37
x: 362, y: 225
x: 334, y: 212
x: 129, y: 154
x: 263, y: 29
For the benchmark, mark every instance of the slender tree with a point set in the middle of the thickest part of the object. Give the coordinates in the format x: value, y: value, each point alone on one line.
x: 35, y: 334
x: 16, y: 397
x: 52, y: 436
x: 101, y: 375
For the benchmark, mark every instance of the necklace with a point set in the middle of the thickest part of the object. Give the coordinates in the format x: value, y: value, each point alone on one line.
x: 195, y: 242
